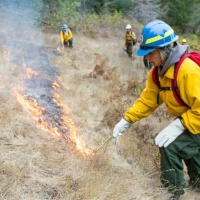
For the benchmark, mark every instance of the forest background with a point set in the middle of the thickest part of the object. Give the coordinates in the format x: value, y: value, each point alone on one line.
x: 88, y: 16
x: 77, y: 96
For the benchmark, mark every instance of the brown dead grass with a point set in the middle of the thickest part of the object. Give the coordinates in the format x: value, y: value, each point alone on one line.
x: 38, y: 166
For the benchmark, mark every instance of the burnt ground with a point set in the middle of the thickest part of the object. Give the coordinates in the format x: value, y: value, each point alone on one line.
x: 96, y: 82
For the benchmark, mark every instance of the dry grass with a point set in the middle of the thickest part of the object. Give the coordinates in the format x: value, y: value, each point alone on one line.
x: 38, y: 166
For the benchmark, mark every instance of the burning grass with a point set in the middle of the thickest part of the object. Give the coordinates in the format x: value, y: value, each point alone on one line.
x: 36, y: 165
x: 37, y: 94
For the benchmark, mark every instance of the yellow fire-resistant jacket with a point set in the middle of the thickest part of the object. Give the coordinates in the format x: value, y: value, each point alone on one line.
x: 188, y: 82
x: 64, y: 37
x: 129, y: 37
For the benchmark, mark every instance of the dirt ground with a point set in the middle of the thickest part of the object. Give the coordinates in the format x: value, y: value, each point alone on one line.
x: 97, y: 83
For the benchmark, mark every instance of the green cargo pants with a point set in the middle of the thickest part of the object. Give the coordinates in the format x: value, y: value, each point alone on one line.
x: 129, y: 48
x: 185, y: 148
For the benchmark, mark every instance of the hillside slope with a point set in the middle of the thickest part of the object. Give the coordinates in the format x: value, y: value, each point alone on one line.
x: 97, y: 82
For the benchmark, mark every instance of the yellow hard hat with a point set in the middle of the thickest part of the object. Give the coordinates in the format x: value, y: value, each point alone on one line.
x: 183, y: 40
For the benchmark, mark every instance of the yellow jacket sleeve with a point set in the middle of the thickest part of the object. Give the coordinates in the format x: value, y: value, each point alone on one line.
x: 144, y: 105
x: 188, y: 80
x: 133, y: 36
x: 61, y: 37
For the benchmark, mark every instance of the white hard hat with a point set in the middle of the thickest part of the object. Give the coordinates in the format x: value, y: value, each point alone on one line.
x: 128, y: 26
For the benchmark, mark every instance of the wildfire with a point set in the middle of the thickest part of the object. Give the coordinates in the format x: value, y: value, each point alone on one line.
x: 30, y: 105
x: 30, y: 73
x: 59, y: 49
x: 37, y: 94
x: 5, y: 55
x: 64, y: 126
x: 55, y: 84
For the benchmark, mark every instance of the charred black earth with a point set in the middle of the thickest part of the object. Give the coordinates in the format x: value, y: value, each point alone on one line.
x: 38, y: 88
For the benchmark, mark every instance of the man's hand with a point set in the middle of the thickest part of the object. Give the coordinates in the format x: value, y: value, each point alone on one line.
x: 170, y: 133
x: 120, y: 127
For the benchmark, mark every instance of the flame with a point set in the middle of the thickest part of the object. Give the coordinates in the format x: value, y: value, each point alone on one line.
x: 37, y: 112
x: 74, y: 133
x: 59, y: 49
x: 30, y: 73
x: 5, y: 55
x: 30, y: 105
x: 77, y: 138
x: 55, y: 84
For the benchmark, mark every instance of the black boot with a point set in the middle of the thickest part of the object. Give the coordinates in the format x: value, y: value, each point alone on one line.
x: 175, y: 197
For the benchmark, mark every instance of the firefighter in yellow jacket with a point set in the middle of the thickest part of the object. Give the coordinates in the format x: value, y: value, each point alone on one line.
x: 130, y: 40
x: 66, y: 37
x: 180, y: 140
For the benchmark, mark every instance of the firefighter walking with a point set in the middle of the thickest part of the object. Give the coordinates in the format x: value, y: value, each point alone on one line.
x: 130, y: 40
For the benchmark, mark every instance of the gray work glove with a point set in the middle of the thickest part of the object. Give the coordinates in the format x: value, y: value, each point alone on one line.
x: 170, y: 133
x: 120, y: 127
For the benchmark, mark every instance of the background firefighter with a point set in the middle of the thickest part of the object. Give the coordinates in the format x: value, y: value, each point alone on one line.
x: 130, y: 40
x: 66, y: 37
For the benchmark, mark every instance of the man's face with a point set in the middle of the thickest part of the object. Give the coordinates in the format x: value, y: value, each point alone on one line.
x: 128, y: 30
x: 154, y: 58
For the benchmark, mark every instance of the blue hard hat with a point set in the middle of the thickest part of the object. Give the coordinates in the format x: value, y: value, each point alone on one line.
x: 64, y: 27
x: 156, y: 34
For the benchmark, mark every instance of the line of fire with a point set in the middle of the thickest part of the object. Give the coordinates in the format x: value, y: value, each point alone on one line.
x: 37, y: 93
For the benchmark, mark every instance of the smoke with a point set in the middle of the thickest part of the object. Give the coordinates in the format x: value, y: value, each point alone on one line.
x: 18, y: 20
x: 24, y: 43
